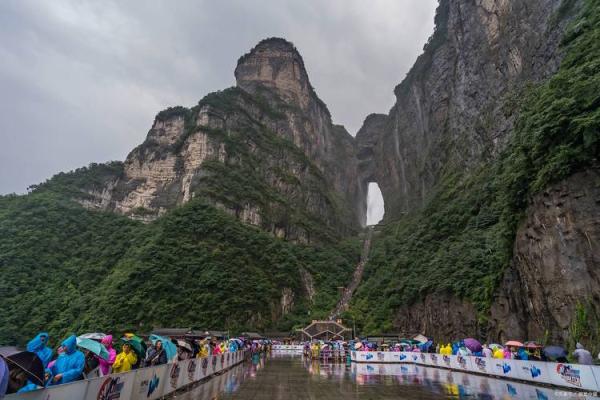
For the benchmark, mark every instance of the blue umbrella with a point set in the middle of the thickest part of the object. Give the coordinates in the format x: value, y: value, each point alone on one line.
x: 555, y: 352
x: 170, y: 348
x: 93, y: 346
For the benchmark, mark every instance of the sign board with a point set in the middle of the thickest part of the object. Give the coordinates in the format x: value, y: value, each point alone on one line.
x: 114, y: 386
x: 149, y: 382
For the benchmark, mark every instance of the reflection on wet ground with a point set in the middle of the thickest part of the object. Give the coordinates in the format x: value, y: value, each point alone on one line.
x: 292, y: 377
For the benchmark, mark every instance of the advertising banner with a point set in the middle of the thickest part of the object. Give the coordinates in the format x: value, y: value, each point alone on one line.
x: 572, y: 375
x: 173, y: 378
x: 460, y: 363
x: 533, y: 371
x: 187, y: 372
x: 73, y: 390
x: 503, y: 368
x: 149, y: 382
x: 114, y: 386
x: 480, y: 365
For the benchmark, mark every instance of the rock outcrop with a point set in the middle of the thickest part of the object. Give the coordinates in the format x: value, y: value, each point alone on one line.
x: 441, y: 316
x: 454, y: 109
x: 266, y: 151
x: 556, y: 265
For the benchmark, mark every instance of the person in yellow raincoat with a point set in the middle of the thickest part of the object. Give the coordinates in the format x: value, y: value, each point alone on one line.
x: 203, y: 352
x: 315, y: 350
x: 498, y: 353
x: 125, y: 360
x: 446, y: 350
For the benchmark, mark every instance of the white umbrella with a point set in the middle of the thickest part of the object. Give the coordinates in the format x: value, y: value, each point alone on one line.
x: 93, y: 336
x: 185, y: 345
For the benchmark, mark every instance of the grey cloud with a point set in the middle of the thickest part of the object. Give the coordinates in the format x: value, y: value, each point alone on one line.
x: 82, y: 81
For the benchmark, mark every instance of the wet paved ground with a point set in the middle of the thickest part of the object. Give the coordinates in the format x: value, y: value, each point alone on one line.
x: 289, y: 377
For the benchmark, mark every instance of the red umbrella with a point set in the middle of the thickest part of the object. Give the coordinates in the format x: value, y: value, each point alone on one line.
x: 513, y: 343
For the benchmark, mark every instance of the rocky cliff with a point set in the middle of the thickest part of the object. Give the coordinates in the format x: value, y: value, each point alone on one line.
x: 488, y: 168
x: 455, y: 108
x: 265, y: 151
x: 556, y: 264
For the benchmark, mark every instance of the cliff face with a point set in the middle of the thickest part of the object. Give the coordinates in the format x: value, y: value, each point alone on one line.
x: 470, y: 148
x: 454, y: 108
x: 266, y: 151
x: 556, y: 263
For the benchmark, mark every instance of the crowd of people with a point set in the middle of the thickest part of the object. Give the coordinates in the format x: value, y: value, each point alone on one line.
x: 471, y: 347
x: 76, y: 359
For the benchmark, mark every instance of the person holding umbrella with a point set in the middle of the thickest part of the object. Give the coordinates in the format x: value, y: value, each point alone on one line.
x: 69, y: 365
x: 106, y: 364
x: 125, y: 360
x: 38, y: 345
x: 156, y: 354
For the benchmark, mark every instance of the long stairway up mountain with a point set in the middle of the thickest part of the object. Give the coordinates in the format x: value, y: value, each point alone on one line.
x: 344, y: 301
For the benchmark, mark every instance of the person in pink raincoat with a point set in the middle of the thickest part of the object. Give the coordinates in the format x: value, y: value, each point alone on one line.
x: 105, y: 365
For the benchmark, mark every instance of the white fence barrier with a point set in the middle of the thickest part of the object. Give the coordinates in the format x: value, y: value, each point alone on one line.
x: 143, y: 383
x: 574, y: 376
x: 288, y: 347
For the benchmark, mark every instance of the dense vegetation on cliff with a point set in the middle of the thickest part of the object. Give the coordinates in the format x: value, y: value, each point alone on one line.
x: 64, y: 268
x: 463, y: 239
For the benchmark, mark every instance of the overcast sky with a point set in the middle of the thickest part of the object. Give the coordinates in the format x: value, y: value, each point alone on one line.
x: 81, y: 81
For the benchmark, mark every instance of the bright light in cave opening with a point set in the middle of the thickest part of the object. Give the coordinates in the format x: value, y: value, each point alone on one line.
x: 374, y: 204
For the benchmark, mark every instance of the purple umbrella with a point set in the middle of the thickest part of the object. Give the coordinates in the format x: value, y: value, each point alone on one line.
x: 473, y: 345
x: 3, y: 377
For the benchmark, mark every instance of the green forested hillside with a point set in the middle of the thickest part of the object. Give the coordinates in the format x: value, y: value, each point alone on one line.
x: 64, y: 268
x: 462, y: 240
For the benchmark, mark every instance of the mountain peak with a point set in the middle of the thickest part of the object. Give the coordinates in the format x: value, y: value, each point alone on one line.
x: 277, y: 64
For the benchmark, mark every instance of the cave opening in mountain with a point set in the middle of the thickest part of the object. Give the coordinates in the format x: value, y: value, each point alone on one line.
x: 375, y: 206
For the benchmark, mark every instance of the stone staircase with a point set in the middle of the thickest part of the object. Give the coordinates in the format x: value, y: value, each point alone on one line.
x: 344, y: 301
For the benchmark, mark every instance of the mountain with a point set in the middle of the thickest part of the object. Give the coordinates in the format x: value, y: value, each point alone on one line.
x: 265, y: 151
x: 246, y: 210
x: 488, y: 165
x: 170, y: 236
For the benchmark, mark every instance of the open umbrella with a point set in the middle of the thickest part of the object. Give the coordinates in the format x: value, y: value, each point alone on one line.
x: 3, y: 376
x: 533, y: 345
x: 93, y: 346
x: 473, y: 345
x: 513, y: 343
x: 409, y: 341
x: 495, y: 346
x: 135, y: 345
x: 28, y: 362
x: 133, y: 338
x: 555, y: 352
x: 421, y: 338
x: 185, y: 345
x: 93, y: 336
x: 169, y: 347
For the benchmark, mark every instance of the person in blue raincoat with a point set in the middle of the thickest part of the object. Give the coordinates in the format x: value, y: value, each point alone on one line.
x: 69, y: 365
x: 38, y: 345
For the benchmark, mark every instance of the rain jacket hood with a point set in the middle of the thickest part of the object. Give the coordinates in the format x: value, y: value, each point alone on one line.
x: 38, y: 342
x: 70, y: 363
x: 38, y: 346
x: 69, y: 344
x: 107, y: 341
